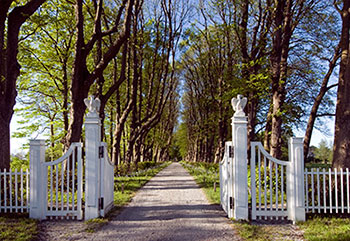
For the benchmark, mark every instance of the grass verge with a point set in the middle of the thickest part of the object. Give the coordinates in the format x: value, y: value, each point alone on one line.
x: 18, y: 227
x: 326, y: 228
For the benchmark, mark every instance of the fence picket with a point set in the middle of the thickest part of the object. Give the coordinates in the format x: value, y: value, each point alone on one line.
x: 21, y: 190
x: 271, y: 187
x: 312, y: 191
x: 324, y: 191
x: 318, y: 190
x: 336, y: 189
x: 276, y: 186
x: 5, y: 191
x: 259, y: 174
x: 347, y: 188
x: 342, y: 190
x: 16, y: 191
x: 265, y: 187
x: 306, y: 189
x: 67, y: 188
x: 10, y: 185
x: 330, y: 190
x: 282, y: 189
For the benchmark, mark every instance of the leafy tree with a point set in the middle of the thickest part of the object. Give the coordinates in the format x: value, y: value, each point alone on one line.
x: 12, y: 17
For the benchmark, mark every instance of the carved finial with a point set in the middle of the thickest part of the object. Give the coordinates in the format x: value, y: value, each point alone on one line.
x: 238, y: 105
x: 93, y: 105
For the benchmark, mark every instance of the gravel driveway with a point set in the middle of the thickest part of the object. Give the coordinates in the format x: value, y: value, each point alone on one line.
x: 170, y: 206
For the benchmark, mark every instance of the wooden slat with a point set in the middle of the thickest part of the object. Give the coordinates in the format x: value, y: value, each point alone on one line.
x: 324, y: 191
x: 336, y: 189
x: 312, y: 191
x: 318, y: 190
x: 265, y: 186
x: 348, y: 189
x: 330, y: 190
x: 342, y: 190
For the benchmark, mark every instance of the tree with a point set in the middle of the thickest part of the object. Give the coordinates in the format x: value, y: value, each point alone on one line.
x: 341, y: 148
x: 10, y: 24
x: 323, y: 152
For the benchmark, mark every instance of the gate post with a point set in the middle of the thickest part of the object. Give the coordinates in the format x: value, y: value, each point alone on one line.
x: 92, y: 164
x: 37, y: 200
x: 295, y: 180
x: 239, y: 172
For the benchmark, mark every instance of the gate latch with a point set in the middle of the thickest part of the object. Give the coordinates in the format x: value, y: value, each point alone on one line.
x: 100, y: 152
x: 100, y: 203
x: 230, y: 152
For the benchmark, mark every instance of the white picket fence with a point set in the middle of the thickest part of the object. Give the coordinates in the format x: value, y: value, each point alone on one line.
x: 327, y: 191
x: 14, y: 191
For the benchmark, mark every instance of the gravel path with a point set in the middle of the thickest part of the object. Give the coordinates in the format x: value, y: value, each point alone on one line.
x: 169, y: 207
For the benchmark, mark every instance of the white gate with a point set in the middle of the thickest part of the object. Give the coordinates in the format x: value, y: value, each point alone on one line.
x: 268, y: 184
x: 64, y: 185
x: 56, y: 188
x: 226, y: 186
x: 277, y: 187
x: 107, y: 181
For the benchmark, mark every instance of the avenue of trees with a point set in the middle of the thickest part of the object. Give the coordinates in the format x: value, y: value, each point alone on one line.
x: 166, y: 70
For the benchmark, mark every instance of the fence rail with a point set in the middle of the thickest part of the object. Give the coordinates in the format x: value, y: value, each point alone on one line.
x: 14, y: 191
x: 327, y: 191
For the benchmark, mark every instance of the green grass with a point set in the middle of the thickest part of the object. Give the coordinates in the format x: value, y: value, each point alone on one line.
x: 326, y: 228
x: 205, y: 175
x: 17, y: 227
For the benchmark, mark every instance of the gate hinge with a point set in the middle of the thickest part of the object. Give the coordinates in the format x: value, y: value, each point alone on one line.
x: 231, y: 152
x: 231, y: 203
x: 100, y: 203
x: 100, y: 152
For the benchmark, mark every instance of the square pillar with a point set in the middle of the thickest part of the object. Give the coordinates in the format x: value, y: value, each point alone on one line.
x: 38, y: 180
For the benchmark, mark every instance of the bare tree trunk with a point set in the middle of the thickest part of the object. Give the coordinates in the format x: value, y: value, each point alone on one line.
x: 323, y: 90
x: 341, y: 148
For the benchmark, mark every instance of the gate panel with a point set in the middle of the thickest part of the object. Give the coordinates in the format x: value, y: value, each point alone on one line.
x: 268, y: 184
x: 107, y: 182
x: 63, y: 185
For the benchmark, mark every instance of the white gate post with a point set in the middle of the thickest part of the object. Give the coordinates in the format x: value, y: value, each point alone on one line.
x: 239, y: 173
x: 92, y: 165
x: 295, y: 180
x: 37, y: 200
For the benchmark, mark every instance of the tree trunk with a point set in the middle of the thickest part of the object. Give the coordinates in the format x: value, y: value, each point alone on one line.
x: 341, y: 155
x: 317, y: 102
x: 10, y: 68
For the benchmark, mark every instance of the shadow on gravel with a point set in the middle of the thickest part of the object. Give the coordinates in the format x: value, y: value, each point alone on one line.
x: 169, y: 212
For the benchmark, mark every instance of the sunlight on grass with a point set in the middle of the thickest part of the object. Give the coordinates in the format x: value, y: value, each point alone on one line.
x: 325, y: 228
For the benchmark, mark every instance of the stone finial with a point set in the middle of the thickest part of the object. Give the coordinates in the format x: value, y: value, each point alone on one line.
x: 93, y: 105
x: 238, y: 105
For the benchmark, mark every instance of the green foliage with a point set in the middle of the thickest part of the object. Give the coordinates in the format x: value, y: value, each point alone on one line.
x: 19, y: 162
x: 324, y: 152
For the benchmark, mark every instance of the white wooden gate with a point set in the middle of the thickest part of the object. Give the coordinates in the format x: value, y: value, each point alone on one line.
x: 276, y: 187
x: 226, y: 186
x: 268, y: 184
x: 64, y: 185
x: 107, y: 181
